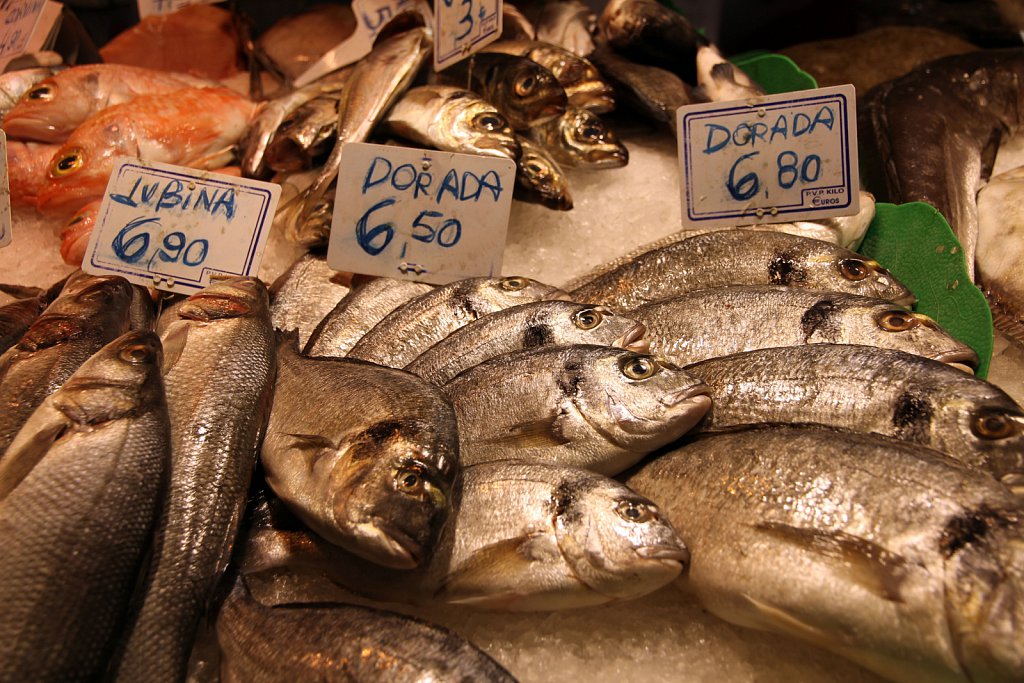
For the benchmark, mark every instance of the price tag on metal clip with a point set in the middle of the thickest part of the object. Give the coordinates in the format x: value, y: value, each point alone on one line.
x: 420, y: 214
x: 770, y: 159
x: 461, y: 27
x: 171, y: 227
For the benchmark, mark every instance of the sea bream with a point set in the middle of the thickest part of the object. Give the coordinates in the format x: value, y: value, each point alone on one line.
x: 305, y: 293
x: 600, y: 408
x: 580, y: 79
x: 1000, y: 254
x: 539, y: 178
x: 891, y: 555
x: 653, y: 91
x: 579, y: 138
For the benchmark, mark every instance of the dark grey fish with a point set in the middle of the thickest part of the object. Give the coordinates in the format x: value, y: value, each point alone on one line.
x: 891, y: 555
x: 580, y: 138
x: 539, y: 178
x: 218, y: 374
x: 647, y: 32
x: 305, y: 293
x: 16, y: 317
x: 740, y: 257
x: 580, y: 79
x: 866, y: 389
x: 653, y: 91
x: 335, y: 642
x: 75, y: 529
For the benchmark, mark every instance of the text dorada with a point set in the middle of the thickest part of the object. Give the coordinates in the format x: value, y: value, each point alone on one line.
x: 771, y: 159
x: 420, y: 214
x: 173, y: 228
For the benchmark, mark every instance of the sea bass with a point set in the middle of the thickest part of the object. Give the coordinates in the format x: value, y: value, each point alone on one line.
x: 370, y: 470
x: 416, y: 325
x: 580, y: 79
x: 580, y: 138
x: 529, y: 326
x: 717, y: 322
x: 305, y: 293
x: 891, y: 555
x: 75, y: 526
x: 218, y: 374
x: 866, y: 389
x: 600, y: 408
x: 740, y: 257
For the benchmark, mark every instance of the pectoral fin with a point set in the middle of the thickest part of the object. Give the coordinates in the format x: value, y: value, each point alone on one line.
x: 39, y: 433
x: 491, y: 572
x: 543, y: 433
x: 174, y: 341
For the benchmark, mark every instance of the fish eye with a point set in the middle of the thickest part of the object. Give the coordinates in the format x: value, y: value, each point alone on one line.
x: 490, y: 121
x: 992, y: 426
x: 587, y: 319
x: 43, y: 91
x: 525, y: 86
x: 592, y: 133
x: 136, y: 353
x: 68, y: 163
x: 638, y: 367
x: 409, y: 480
x: 534, y: 167
x: 854, y: 269
x: 631, y: 511
x: 897, y: 321
x: 513, y: 284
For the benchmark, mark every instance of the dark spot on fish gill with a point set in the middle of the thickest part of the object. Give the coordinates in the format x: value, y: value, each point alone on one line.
x: 819, y: 317
x: 570, y: 378
x: 972, y: 526
x: 566, y: 495
x: 911, y: 417
x: 783, y: 270
x: 382, y: 431
x: 537, y: 335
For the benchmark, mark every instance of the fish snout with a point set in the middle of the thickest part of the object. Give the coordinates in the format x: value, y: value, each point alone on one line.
x: 633, y: 340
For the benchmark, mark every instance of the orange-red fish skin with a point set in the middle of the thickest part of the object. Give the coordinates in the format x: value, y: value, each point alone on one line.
x: 27, y: 163
x: 74, y: 238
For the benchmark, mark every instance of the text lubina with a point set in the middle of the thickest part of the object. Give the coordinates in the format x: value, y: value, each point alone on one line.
x: 174, y: 194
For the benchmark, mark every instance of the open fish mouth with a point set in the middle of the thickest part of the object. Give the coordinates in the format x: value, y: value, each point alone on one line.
x: 388, y: 548
x: 634, y: 340
x: 664, y: 552
x: 689, y: 394
x: 963, y: 360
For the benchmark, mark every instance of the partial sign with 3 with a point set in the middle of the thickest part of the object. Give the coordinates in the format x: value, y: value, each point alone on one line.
x: 462, y: 27
x: 420, y: 214
x: 173, y: 228
x: 771, y: 159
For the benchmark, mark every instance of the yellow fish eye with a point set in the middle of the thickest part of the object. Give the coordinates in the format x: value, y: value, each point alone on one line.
x: 638, y: 367
x: 898, y: 321
x: 513, y: 284
x: 524, y: 86
x: 68, y: 163
x: 43, y: 91
x: 587, y: 319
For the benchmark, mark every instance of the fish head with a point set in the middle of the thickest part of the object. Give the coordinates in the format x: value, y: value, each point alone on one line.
x: 814, y: 264
x: 539, y: 172
x: 50, y: 110
x: 617, y: 542
x: 74, y: 238
x: 590, y: 141
x: 478, y: 128
x: 392, y: 492
x: 532, y: 93
x: 79, y: 170
x: 232, y: 297
x: 579, y: 78
x: 897, y: 327
x: 978, y: 423
x: 636, y: 401
x: 85, y: 300
x: 27, y: 163
x: 514, y: 290
x: 589, y: 324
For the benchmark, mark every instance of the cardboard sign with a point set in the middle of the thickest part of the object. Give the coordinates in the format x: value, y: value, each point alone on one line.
x: 27, y: 26
x: 462, y: 27
x: 150, y: 7
x: 5, y: 195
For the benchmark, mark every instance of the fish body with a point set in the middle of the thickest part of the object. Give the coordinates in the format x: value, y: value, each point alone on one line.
x: 528, y: 326
x: 336, y: 642
x: 218, y: 375
x: 647, y: 32
x: 515, y: 25
x: 722, y: 81
x: 580, y: 138
x: 654, y: 91
x: 526, y: 93
x: 305, y: 136
x: 600, y: 408
x: 740, y: 257
x: 364, y: 306
x: 149, y: 128
x: 370, y: 470
x: 452, y: 120
x: 296, y: 42
x: 539, y: 178
x: 866, y: 389
x: 710, y: 323
x: 1000, y: 256
x: 81, y: 489
x: 418, y: 324
x: 53, y: 108
x: 893, y: 556
x: 14, y: 84
x: 74, y: 238
x: 582, y: 82
x: 569, y: 24
x: 27, y: 166
x: 17, y: 316
x: 89, y: 313
x: 305, y: 293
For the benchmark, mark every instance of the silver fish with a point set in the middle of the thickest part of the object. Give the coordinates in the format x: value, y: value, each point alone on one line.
x: 539, y: 178
x: 305, y: 293
x: 999, y: 257
x: 328, y: 642
x: 452, y: 120
x: 89, y: 313
x: 652, y: 90
x: 218, y: 375
x: 600, y: 408
x: 416, y: 325
x: 17, y: 315
x: 893, y: 556
x: 370, y: 470
x: 76, y: 528
x: 740, y: 257
x: 866, y: 389
x: 569, y: 24
x: 722, y: 81
x: 543, y: 323
x: 647, y: 32
x: 580, y: 138
x: 363, y: 307
x: 304, y: 137
x: 717, y: 322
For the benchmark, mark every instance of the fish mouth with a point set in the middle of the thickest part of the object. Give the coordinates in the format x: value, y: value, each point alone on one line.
x: 392, y: 549
x: 907, y: 300
x: 688, y: 394
x: 31, y: 128
x: 962, y: 360
x: 664, y: 552
x: 634, y: 340
x: 609, y: 158
x: 509, y: 149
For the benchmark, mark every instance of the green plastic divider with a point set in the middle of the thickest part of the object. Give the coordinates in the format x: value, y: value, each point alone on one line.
x: 775, y: 73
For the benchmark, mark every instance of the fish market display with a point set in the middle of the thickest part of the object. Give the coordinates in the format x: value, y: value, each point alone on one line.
x: 416, y: 325
x: 895, y: 557
x: 305, y: 294
x: 579, y: 138
x: 654, y: 91
x: 866, y: 389
x: 596, y: 407
x: 527, y: 326
x: 89, y: 464
x: 539, y: 179
x: 718, y: 322
x: 218, y: 373
x: 371, y: 469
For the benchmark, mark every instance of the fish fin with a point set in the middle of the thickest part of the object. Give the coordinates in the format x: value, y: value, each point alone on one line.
x: 543, y: 433
x: 777, y: 619
x: 492, y: 571
x: 862, y: 561
x: 214, y: 160
x: 46, y: 425
x: 1004, y: 318
x: 174, y: 341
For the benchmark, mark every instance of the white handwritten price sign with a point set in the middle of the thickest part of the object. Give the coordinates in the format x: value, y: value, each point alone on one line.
x: 420, y: 214
x: 171, y: 227
x: 5, y: 195
x: 771, y: 159
x: 18, y: 19
x: 151, y: 7
x: 461, y: 27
